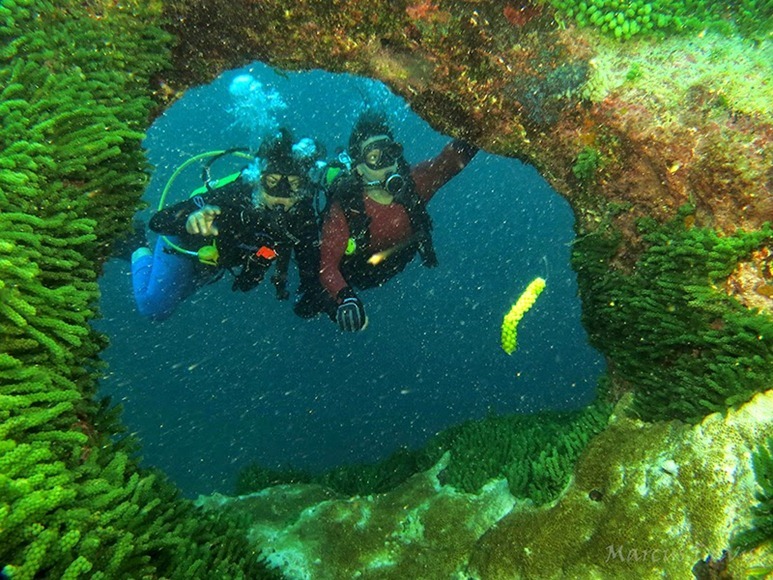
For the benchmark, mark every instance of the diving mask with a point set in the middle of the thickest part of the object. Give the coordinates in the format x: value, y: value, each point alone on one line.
x: 278, y: 185
x: 381, y: 153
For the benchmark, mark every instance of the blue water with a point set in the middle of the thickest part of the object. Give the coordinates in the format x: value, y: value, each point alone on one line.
x: 235, y: 378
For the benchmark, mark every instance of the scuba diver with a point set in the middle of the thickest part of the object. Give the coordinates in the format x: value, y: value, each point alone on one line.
x: 376, y: 220
x: 258, y: 219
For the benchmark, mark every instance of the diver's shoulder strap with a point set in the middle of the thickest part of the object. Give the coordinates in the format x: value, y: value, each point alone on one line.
x: 214, y: 184
x: 348, y: 191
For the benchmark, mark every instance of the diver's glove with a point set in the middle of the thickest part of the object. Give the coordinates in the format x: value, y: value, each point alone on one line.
x: 312, y: 302
x: 251, y: 275
x: 350, y: 314
x: 280, y: 285
x: 306, y: 306
x: 246, y: 281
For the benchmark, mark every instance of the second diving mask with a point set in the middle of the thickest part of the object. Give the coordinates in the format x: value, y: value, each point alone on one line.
x: 278, y: 185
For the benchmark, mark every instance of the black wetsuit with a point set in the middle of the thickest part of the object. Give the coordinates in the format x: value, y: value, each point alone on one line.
x: 250, y: 239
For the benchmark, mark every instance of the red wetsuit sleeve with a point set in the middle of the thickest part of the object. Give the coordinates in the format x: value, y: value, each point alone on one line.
x: 431, y: 175
x: 335, y: 236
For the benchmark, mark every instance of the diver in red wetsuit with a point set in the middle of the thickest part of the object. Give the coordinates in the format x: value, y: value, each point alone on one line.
x: 377, y: 218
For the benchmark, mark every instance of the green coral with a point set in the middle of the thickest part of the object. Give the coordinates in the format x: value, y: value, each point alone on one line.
x: 588, y: 162
x: 761, y: 530
x: 377, y: 477
x: 634, y: 72
x: 624, y: 19
x: 75, y: 98
x: 666, y: 324
x: 348, y: 480
x: 536, y: 453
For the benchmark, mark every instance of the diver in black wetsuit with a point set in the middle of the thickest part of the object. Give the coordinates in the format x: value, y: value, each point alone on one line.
x: 262, y: 218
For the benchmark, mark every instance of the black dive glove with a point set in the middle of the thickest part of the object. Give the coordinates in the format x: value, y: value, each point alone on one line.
x: 245, y: 283
x: 251, y: 275
x: 350, y: 314
x: 280, y: 285
x: 312, y: 302
x: 306, y: 306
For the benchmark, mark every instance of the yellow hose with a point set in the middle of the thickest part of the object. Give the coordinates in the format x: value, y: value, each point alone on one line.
x: 170, y: 181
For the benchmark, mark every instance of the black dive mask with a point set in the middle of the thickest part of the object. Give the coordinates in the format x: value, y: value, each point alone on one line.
x: 381, y: 153
x: 281, y: 187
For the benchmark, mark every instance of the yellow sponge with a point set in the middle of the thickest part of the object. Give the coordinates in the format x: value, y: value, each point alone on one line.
x: 522, y: 305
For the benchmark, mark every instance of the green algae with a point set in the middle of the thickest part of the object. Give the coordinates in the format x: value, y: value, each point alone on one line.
x: 666, y: 324
x: 624, y: 20
x: 534, y: 453
x: 761, y: 530
x: 75, y: 98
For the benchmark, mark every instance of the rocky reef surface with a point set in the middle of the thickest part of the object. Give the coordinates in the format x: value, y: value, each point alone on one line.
x: 646, y: 500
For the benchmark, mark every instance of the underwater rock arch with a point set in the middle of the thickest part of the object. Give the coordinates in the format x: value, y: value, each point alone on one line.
x: 656, y: 130
x: 652, y: 124
x: 661, y: 147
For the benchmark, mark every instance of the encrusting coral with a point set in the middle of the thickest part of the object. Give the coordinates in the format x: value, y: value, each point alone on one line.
x: 419, y: 529
x: 646, y: 501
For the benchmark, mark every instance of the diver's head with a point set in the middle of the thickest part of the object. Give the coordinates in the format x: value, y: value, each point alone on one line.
x: 372, y: 142
x: 374, y: 152
x: 283, y: 178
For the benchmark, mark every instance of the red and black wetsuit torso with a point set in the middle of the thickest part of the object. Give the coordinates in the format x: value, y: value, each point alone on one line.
x: 391, y: 235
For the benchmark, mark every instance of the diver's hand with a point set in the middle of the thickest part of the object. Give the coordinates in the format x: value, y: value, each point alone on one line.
x: 313, y: 301
x: 202, y: 221
x: 350, y: 314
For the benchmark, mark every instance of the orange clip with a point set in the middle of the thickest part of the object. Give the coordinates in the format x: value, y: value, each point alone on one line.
x: 266, y: 252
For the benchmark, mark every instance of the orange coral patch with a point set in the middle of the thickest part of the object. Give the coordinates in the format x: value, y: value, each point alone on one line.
x: 520, y: 16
